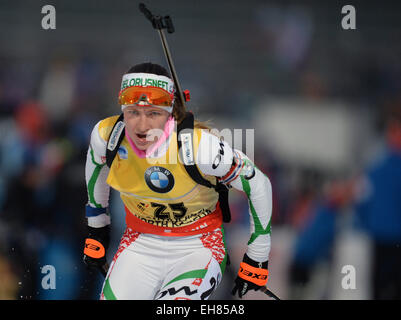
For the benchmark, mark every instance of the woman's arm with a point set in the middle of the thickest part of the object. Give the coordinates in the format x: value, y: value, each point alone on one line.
x: 96, y: 172
x: 234, y: 168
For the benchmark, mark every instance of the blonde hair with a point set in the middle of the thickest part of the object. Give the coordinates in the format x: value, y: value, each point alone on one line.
x: 179, y: 112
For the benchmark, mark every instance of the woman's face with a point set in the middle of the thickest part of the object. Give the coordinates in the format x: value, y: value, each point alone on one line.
x: 145, y: 124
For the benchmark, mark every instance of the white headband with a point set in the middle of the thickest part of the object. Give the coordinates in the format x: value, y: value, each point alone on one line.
x: 147, y: 80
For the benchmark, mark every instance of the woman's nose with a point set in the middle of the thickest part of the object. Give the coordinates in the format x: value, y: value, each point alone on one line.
x: 142, y: 125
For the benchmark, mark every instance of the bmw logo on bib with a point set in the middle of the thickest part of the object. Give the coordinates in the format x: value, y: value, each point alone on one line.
x: 159, y: 179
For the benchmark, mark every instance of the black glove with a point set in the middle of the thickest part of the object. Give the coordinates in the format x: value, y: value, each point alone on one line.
x: 96, y: 245
x: 252, y: 275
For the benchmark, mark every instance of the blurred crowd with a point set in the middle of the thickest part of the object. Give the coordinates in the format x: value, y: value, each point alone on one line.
x: 42, y: 191
x: 48, y: 109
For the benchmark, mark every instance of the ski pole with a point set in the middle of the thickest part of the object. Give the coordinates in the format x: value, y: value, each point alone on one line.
x: 104, y: 269
x: 269, y: 293
x: 159, y: 23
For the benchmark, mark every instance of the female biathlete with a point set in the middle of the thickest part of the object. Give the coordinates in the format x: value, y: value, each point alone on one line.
x: 173, y: 246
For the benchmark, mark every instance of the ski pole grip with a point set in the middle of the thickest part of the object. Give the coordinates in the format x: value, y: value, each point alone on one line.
x: 169, y: 24
x: 146, y: 11
x: 158, y: 22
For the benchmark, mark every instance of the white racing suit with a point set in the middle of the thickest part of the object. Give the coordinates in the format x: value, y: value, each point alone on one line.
x: 154, y: 267
x: 163, y: 265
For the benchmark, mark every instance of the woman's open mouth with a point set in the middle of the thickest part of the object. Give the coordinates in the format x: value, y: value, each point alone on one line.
x: 146, y: 138
x: 141, y: 138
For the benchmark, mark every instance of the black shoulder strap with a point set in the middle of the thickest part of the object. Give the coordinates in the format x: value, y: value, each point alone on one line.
x: 115, y: 138
x: 185, y: 146
x: 223, y: 201
x: 185, y: 132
